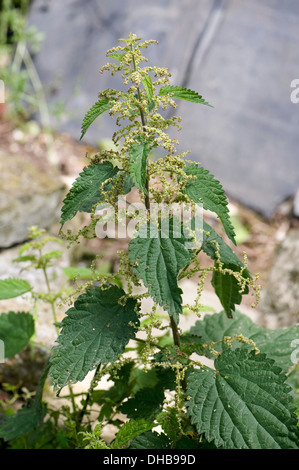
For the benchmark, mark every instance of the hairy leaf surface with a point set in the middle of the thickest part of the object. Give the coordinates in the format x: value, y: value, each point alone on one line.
x: 169, y: 421
x: 183, y: 94
x: 277, y: 344
x: 148, y: 86
x: 85, y: 191
x: 216, y: 248
x: 24, y: 421
x: 158, y: 254
x: 96, y: 330
x: 206, y: 190
x: 138, y: 154
x: 95, y: 111
x: 225, y: 284
x: 227, y: 289
x: 129, y: 431
x: 146, y: 403
x: 244, y: 404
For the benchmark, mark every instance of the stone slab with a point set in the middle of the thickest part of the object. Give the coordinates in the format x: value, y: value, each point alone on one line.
x: 250, y: 140
x: 240, y: 55
x: 280, y: 296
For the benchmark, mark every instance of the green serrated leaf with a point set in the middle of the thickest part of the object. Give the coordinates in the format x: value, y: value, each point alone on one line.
x: 52, y: 254
x: 183, y: 94
x: 96, y: 330
x: 170, y: 424
x: 158, y: 254
x: 206, y: 190
x: 226, y: 285
x: 95, y: 111
x: 280, y: 345
x: 129, y: 431
x: 151, y: 105
x: 80, y: 272
x: 22, y: 259
x: 293, y: 381
x: 24, y: 421
x: 148, y: 86
x: 244, y: 403
x: 12, y: 287
x: 138, y: 154
x: 146, y: 403
x: 127, y: 184
x: 172, y: 354
x: 115, y: 56
x: 16, y: 329
x: 150, y: 440
x: 277, y: 344
x: 216, y: 248
x: 85, y: 191
x: 72, y: 272
x: 141, y: 378
x: 191, y: 343
x: 24, y: 248
x: 166, y: 377
x: 227, y: 289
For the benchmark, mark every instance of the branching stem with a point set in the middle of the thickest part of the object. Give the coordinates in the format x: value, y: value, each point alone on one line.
x: 177, y: 342
x: 144, y: 123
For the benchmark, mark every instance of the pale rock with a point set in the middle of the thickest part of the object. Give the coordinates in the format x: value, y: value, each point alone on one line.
x: 241, y: 56
x: 28, y: 197
x: 280, y: 296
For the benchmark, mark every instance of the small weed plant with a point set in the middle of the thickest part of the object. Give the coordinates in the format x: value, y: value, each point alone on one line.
x: 226, y: 382
x: 24, y: 90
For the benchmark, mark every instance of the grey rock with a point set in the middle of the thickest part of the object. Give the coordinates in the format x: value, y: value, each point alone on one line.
x: 241, y: 56
x: 280, y: 296
x: 251, y: 139
x: 28, y: 197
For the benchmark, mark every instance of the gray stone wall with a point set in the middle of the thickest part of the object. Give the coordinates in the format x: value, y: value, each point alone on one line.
x: 241, y: 55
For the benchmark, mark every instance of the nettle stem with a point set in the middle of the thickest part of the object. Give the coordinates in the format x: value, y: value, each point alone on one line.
x: 144, y: 123
x: 177, y: 342
x: 51, y: 301
x: 175, y: 333
x: 174, y: 328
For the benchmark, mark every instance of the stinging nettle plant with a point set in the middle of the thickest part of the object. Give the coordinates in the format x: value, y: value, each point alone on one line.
x: 243, y: 400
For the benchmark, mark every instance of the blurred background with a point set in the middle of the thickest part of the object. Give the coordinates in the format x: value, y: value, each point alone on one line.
x: 242, y: 56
